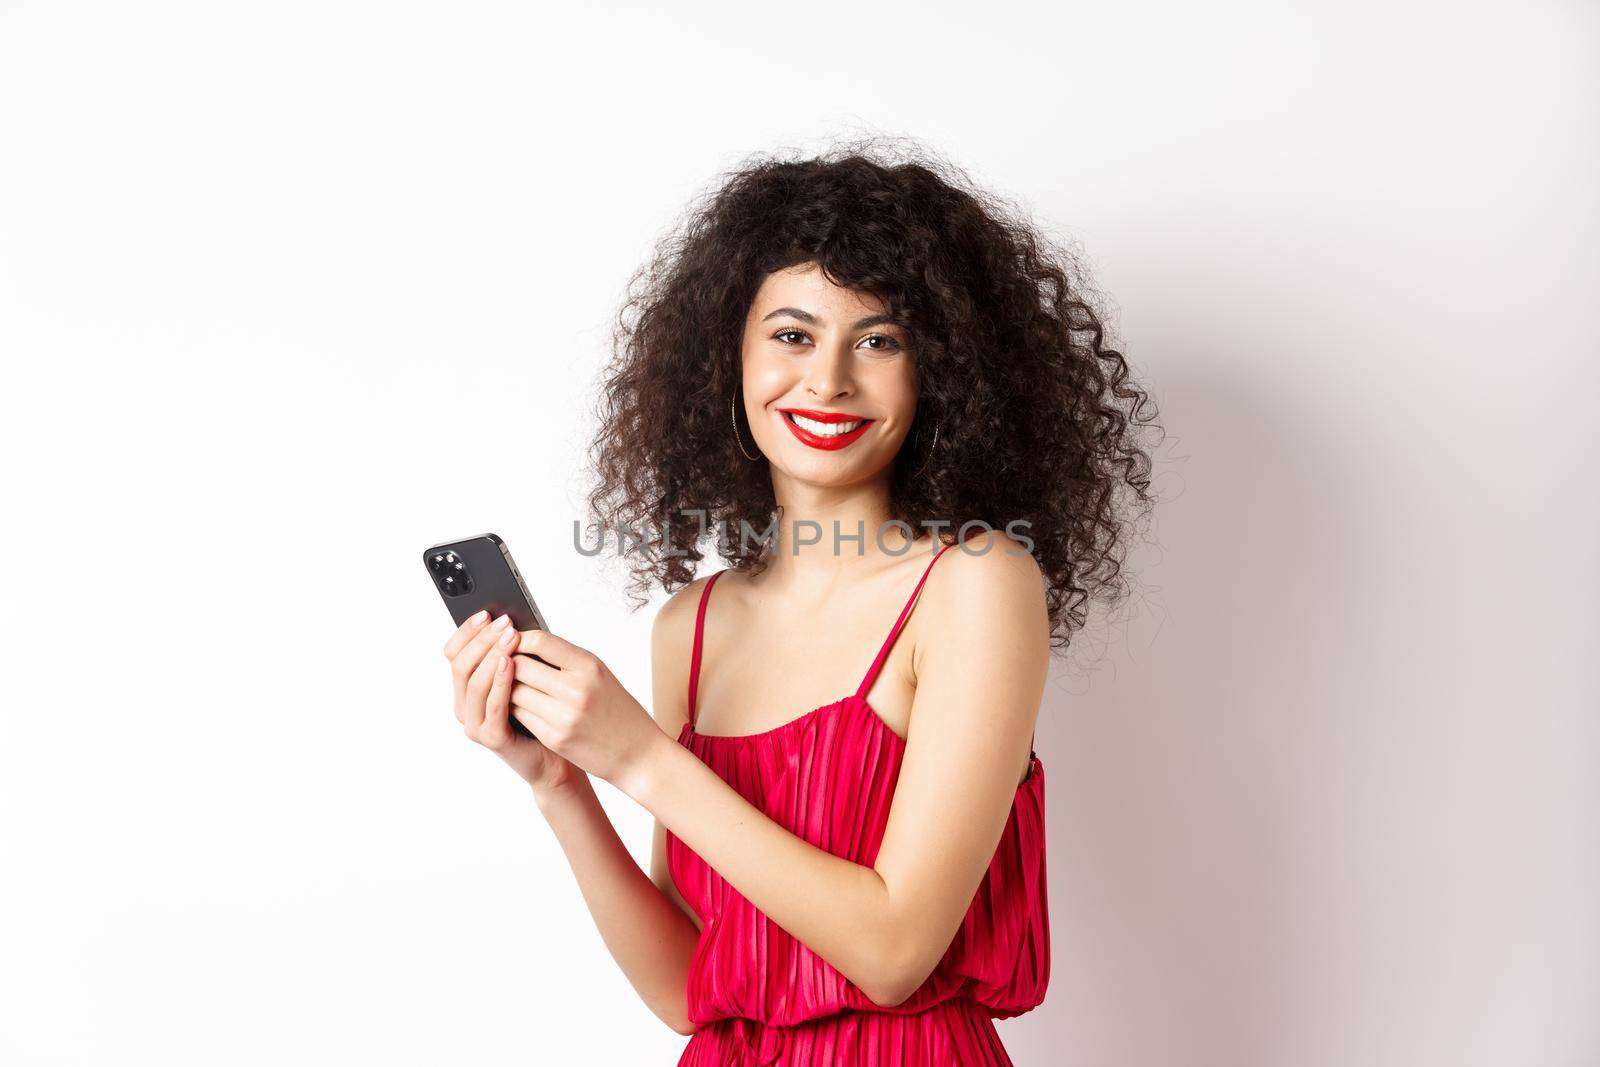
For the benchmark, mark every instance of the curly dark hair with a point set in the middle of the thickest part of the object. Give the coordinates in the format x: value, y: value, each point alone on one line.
x: 1036, y: 418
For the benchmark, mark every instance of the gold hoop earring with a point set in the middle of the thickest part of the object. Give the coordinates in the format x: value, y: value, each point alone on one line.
x: 931, y: 447
x: 732, y: 417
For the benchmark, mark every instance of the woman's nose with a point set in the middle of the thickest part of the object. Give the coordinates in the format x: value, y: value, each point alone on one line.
x: 829, y: 375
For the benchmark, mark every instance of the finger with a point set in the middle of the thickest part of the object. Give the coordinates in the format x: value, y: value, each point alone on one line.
x: 497, y: 705
x: 536, y: 723
x: 556, y: 651
x: 482, y: 676
x: 546, y: 708
x: 542, y: 677
x: 470, y: 655
x: 465, y: 632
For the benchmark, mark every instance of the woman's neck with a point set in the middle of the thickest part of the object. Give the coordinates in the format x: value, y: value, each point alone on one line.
x: 823, y: 535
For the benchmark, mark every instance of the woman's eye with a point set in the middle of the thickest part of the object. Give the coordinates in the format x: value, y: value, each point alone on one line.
x: 890, y: 346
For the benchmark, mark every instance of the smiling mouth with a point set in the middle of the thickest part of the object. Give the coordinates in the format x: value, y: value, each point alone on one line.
x: 825, y: 435
x: 825, y: 429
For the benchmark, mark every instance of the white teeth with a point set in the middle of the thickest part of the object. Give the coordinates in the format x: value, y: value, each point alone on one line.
x: 824, y: 429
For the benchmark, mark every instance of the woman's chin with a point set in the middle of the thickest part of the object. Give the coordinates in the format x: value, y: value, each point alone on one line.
x: 824, y: 471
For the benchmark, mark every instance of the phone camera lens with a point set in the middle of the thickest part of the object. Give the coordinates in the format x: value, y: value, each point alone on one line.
x: 450, y: 573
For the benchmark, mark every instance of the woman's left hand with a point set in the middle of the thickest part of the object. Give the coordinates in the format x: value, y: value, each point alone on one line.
x: 579, y: 711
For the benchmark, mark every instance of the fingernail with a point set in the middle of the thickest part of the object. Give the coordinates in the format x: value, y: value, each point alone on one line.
x: 501, y: 622
x: 507, y: 637
x: 477, y: 619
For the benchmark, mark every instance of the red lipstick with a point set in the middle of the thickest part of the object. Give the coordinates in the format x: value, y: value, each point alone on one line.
x: 826, y: 444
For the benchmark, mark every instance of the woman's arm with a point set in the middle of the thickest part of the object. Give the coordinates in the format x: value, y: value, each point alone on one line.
x: 981, y: 662
x: 643, y: 922
x: 646, y: 933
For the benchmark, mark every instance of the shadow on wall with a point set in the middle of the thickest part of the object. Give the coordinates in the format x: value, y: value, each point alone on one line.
x: 1198, y: 756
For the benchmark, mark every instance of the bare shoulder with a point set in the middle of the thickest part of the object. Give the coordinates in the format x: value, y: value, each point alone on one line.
x: 678, y: 612
x: 992, y: 568
x: 991, y: 581
x: 671, y: 645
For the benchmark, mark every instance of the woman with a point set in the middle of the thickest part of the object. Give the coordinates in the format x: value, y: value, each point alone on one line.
x: 885, y: 362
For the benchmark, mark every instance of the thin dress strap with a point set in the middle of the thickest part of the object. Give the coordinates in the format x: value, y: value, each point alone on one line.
x: 699, y: 629
x: 883, y: 653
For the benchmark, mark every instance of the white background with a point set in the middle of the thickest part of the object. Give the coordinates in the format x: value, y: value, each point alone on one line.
x: 290, y: 291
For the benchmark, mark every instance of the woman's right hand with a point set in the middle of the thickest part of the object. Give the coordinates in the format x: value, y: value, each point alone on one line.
x: 483, y: 673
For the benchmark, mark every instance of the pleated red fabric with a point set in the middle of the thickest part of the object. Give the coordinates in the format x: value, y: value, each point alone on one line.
x: 759, y: 996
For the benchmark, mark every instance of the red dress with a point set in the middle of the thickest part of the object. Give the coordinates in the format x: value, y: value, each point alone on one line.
x: 759, y: 996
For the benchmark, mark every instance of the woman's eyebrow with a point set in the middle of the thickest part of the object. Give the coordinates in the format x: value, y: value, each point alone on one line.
x: 806, y: 316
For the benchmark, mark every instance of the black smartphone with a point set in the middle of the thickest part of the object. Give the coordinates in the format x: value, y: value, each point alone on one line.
x: 479, y: 574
